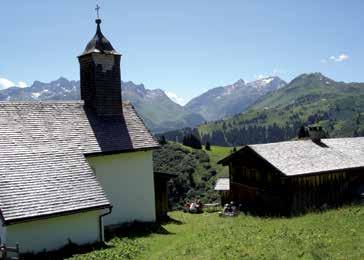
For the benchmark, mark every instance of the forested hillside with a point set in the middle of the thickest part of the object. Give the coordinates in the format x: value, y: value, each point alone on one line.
x: 309, y: 99
x: 196, y: 171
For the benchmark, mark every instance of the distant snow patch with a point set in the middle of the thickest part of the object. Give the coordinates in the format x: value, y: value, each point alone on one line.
x: 267, y: 80
x: 36, y: 95
x: 175, y: 98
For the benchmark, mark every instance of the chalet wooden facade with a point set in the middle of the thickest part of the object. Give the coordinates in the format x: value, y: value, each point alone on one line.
x: 294, y: 177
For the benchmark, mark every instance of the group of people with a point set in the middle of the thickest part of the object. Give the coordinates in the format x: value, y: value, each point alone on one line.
x: 230, y: 209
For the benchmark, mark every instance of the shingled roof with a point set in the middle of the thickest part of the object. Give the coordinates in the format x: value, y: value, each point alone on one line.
x: 222, y: 184
x: 306, y: 157
x: 43, y: 169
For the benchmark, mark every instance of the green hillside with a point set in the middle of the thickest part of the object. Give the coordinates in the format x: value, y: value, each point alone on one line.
x: 308, y: 99
x: 196, y: 170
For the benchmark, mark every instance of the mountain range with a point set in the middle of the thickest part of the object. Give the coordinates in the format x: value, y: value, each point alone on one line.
x: 222, y: 102
x: 158, y: 111
x: 309, y: 99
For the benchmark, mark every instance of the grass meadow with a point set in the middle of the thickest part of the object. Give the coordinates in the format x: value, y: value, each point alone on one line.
x: 335, y: 234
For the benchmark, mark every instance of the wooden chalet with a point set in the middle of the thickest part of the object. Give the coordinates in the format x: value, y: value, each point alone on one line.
x: 296, y: 176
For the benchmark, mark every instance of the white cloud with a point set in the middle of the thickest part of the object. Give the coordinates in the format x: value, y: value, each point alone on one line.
x: 5, y: 83
x: 340, y: 58
x: 179, y: 100
x: 22, y: 84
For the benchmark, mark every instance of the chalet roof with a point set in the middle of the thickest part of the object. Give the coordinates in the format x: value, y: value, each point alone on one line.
x: 222, y: 184
x: 43, y: 169
x: 307, y: 157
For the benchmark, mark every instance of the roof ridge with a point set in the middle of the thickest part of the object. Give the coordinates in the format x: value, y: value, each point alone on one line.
x: 42, y: 102
x: 304, y: 141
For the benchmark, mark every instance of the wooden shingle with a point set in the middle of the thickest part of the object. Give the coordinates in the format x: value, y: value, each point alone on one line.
x: 43, y: 168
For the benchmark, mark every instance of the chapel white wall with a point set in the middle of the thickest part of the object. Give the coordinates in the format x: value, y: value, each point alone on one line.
x: 53, y: 233
x: 128, y: 182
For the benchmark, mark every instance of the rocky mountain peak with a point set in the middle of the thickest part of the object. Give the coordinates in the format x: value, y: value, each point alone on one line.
x: 271, y: 83
x: 312, y: 78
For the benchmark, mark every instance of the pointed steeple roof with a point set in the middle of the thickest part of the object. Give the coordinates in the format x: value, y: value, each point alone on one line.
x: 99, y: 43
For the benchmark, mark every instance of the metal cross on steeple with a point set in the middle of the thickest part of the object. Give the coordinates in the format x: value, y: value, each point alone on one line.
x: 97, y: 9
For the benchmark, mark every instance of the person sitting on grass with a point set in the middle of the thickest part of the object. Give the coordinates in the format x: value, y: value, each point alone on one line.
x: 199, y: 206
x: 193, y: 207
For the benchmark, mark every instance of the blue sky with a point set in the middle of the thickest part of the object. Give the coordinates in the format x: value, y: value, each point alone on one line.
x: 185, y: 47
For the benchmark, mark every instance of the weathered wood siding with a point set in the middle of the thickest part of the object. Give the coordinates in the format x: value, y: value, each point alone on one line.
x: 322, y: 190
x: 261, y: 188
x: 256, y: 185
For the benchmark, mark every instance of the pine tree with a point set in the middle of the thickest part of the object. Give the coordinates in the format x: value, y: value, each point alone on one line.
x: 192, y: 141
x: 162, y: 140
x: 302, y: 133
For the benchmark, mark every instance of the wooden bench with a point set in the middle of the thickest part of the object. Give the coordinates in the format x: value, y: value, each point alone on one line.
x: 5, y: 250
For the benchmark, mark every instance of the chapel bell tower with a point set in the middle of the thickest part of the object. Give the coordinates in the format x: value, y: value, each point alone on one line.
x: 100, y: 75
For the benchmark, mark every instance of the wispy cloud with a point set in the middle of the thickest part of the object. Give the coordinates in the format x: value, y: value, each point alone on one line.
x: 340, y: 58
x: 5, y: 83
x: 179, y: 100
